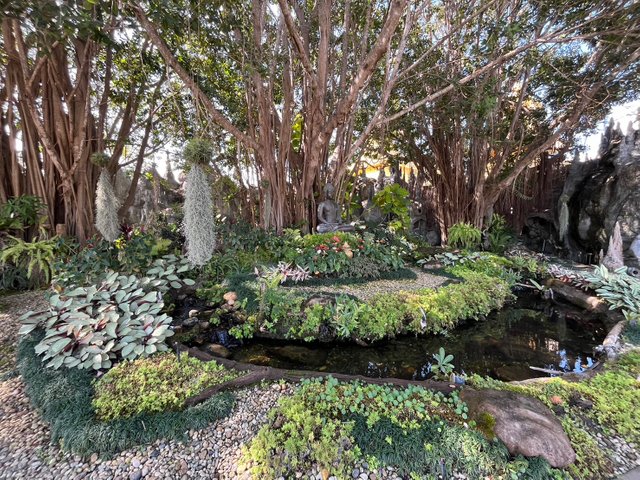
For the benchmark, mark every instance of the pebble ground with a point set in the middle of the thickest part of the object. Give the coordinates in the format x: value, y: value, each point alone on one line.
x: 211, y: 453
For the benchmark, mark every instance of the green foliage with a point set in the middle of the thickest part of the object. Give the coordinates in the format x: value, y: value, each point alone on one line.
x: 91, y: 327
x: 331, y: 425
x: 21, y: 212
x: 342, y: 255
x: 618, y: 289
x: 156, y: 384
x: 132, y: 253
x: 198, y: 151
x: 280, y: 310
x: 464, y: 235
x: 393, y: 201
x: 442, y: 367
x: 63, y: 399
x: 36, y: 257
x: 498, y: 234
x: 220, y: 266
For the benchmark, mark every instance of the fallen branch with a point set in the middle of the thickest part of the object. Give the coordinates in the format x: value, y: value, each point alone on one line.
x: 258, y: 373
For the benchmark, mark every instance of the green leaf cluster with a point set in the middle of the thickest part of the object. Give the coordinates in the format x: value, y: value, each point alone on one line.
x: 393, y: 201
x: 464, y: 235
x: 36, y: 257
x: 158, y: 383
x: 21, y: 212
x: 120, y: 318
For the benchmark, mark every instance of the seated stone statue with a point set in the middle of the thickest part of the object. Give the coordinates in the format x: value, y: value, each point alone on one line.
x: 329, y: 219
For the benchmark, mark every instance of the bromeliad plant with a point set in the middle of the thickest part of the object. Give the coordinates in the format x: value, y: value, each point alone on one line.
x: 120, y: 318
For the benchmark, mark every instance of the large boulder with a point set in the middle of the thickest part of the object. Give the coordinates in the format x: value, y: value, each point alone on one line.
x: 525, y: 425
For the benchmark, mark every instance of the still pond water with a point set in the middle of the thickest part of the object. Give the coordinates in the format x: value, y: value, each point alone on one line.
x: 530, y: 332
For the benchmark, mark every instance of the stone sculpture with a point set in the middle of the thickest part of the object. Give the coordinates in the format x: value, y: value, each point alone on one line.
x: 613, y: 259
x: 329, y: 219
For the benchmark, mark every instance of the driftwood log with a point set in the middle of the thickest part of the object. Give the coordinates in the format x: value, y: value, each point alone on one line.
x: 255, y: 374
x: 576, y: 296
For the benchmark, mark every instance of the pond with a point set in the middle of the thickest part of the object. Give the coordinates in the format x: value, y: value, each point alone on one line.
x: 529, y: 332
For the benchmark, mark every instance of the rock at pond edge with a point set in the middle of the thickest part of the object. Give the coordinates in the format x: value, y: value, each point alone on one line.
x: 524, y: 424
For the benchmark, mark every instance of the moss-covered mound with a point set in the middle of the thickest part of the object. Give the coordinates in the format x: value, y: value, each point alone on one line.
x: 63, y: 398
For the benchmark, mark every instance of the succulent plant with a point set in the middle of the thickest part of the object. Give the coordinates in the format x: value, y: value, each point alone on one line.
x: 92, y: 327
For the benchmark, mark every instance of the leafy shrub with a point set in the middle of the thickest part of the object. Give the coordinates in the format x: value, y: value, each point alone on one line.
x: 156, y: 384
x: 21, y: 212
x: 63, y: 398
x: 91, y: 327
x: 498, y: 234
x: 36, y: 258
x: 464, y: 235
x: 393, y: 201
x: 618, y: 289
x: 333, y: 254
x: 384, y: 315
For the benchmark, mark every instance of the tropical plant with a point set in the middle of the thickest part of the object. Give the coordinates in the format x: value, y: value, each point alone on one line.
x: 36, y: 257
x: 393, y: 201
x: 464, y: 235
x: 498, y: 234
x: 120, y: 318
x: 21, y: 212
x: 619, y: 289
x: 442, y: 367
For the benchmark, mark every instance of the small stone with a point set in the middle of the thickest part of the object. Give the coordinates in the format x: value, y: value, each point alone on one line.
x: 137, y: 475
x: 193, y: 313
x: 135, y: 463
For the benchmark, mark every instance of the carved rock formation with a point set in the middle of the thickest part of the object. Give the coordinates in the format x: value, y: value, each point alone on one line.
x: 598, y: 193
x: 613, y: 259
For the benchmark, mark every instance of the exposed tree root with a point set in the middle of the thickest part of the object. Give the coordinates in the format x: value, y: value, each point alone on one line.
x: 256, y: 374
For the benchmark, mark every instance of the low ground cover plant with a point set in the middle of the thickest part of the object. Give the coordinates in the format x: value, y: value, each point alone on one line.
x: 63, y: 399
x: 159, y: 383
x: 330, y: 425
x: 612, y: 400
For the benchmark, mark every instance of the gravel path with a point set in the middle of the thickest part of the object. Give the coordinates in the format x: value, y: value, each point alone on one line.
x: 365, y: 291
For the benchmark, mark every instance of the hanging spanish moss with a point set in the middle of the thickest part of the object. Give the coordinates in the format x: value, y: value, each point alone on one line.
x: 198, y: 222
x: 107, y: 205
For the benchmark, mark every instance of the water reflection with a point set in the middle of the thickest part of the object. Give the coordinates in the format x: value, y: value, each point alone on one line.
x: 503, y: 346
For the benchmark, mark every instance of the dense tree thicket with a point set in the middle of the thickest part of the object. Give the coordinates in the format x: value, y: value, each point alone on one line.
x: 294, y: 94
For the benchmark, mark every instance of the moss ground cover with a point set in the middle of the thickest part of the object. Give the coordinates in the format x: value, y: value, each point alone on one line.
x: 615, y: 398
x: 156, y: 384
x: 63, y: 398
x: 330, y: 425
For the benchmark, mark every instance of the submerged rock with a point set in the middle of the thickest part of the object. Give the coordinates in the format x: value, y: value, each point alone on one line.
x: 301, y: 355
x: 525, y: 425
x: 217, y: 350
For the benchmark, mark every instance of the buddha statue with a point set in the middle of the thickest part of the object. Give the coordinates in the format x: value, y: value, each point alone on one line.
x: 329, y: 219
